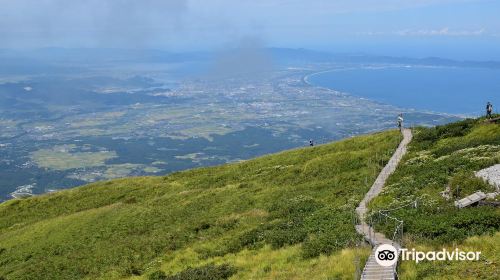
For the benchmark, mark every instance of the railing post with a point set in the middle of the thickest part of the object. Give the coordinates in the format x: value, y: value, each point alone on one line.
x: 401, y: 243
x: 357, y: 271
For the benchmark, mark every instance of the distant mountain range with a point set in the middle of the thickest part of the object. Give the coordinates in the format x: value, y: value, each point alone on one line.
x: 61, y: 59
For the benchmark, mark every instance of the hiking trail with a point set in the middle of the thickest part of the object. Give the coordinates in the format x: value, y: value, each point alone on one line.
x: 372, y: 269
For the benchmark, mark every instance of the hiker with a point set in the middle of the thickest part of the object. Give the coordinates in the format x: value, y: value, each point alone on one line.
x: 400, y: 121
x: 311, y: 143
x: 489, y: 110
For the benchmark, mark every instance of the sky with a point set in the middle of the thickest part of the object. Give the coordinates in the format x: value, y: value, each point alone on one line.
x: 467, y: 29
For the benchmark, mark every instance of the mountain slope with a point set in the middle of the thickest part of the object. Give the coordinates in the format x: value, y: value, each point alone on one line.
x: 269, y: 216
x: 444, y: 159
x: 283, y: 216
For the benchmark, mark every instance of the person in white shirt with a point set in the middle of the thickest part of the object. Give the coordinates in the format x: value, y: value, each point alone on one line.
x: 400, y: 121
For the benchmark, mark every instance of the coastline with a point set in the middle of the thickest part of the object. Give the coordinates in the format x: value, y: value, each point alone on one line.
x: 306, y: 81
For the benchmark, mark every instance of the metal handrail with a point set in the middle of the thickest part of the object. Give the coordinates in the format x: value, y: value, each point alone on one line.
x: 399, y: 225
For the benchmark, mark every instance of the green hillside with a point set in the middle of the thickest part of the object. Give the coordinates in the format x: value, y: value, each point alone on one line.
x: 282, y: 216
x: 439, y: 158
x: 288, y: 215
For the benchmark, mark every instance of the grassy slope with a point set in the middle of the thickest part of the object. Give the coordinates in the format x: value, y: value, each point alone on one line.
x: 284, y: 216
x: 439, y: 157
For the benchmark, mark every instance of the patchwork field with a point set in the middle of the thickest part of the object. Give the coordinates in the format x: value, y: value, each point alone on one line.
x: 65, y: 157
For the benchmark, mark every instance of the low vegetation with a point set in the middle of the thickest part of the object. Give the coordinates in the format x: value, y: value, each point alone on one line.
x: 283, y: 216
x: 486, y: 268
x: 438, y: 170
x: 288, y: 215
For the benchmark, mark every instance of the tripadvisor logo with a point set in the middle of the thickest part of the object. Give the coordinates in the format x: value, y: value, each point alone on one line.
x: 387, y: 255
x: 443, y: 255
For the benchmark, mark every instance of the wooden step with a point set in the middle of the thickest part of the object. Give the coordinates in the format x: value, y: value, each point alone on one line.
x: 374, y: 271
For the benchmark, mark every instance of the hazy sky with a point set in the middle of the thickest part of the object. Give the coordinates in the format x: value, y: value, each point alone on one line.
x: 418, y: 27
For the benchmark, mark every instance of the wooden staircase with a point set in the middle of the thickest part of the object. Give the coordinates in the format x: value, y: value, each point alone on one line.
x: 372, y: 270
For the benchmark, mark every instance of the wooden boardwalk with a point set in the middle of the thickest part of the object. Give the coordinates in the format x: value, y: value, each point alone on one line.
x: 493, y: 120
x: 372, y: 269
x: 471, y: 199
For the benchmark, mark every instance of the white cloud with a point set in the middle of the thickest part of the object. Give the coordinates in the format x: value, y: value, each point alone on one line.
x: 444, y: 31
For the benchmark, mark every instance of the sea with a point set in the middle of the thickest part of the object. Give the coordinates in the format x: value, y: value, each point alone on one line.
x: 452, y: 90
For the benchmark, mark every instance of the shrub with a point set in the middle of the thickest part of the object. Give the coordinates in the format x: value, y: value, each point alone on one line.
x: 207, y: 272
x: 464, y: 184
x: 328, y: 242
x: 456, y: 129
x: 157, y: 275
x: 288, y: 232
x: 299, y: 206
x: 251, y: 239
x: 450, y: 224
